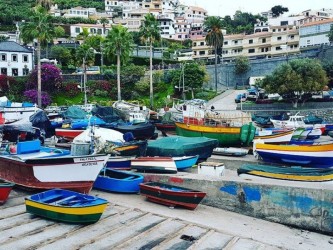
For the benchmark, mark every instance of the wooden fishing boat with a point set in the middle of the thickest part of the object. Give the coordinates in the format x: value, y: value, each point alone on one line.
x: 171, y: 195
x: 5, y: 188
x: 293, y: 173
x: 168, y: 128
x: 66, y: 206
x: 68, y: 133
x: 118, y: 181
x: 40, y: 169
x: 184, y: 162
x: 182, y: 146
x: 155, y: 164
x: 230, y: 151
x: 272, y: 137
x: 318, y: 156
x: 226, y: 135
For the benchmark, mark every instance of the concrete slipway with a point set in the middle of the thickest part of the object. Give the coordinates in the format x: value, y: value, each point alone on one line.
x: 131, y: 222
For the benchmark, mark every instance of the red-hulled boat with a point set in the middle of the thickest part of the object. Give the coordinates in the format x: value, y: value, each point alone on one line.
x: 171, y: 195
x: 5, y: 188
x: 68, y: 133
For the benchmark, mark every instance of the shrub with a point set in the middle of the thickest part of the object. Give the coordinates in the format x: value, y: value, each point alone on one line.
x: 32, y: 96
x: 71, y: 89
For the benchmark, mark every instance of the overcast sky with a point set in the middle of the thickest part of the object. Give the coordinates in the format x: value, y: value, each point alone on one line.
x: 229, y: 7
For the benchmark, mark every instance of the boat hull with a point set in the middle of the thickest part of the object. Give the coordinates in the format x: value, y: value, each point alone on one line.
x: 68, y: 134
x: 5, y: 188
x: 170, y: 195
x: 119, y: 163
x: 154, y: 164
x: 276, y: 138
x: 86, y: 210
x: 118, y: 182
x: 230, y: 151
x: 319, y: 156
x: 227, y: 136
x: 76, y: 173
x: 287, y: 173
x: 185, y: 162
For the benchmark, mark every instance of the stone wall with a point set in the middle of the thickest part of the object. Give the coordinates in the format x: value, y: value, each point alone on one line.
x: 260, y: 67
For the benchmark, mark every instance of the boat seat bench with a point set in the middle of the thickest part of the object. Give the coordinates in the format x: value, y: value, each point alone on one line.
x: 51, y: 198
x: 65, y: 199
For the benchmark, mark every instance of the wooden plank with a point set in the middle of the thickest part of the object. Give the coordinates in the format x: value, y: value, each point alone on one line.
x: 16, y: 221
x: 13, y: 234
x: 90, y: 233
x: 121, y: 234
x: 154, y: 236
x: 250, y: 244
x: 12, y: 211
x: 212, y: 240
x: 181, y: 241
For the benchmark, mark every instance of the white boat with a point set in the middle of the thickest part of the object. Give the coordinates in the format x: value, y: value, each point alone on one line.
x: 130, y: 112
x: 154, y: 164
x: 274, y: 137
x: 294, y: 121
x: 230, y: 151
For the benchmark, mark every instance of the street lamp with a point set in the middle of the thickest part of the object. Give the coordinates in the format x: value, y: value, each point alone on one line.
x: 85, y: 76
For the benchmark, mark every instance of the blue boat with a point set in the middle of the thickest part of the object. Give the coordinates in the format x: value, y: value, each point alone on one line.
x: 184, y: 162
x: 118, y: 181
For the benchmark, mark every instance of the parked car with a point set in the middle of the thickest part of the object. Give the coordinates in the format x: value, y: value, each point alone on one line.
x: 240, y: 97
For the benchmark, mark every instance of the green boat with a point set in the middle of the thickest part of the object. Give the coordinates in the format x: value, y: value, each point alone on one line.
x: 226, y: 136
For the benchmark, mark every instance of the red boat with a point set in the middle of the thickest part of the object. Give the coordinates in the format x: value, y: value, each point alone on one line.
x: 5, y: 188
x: 171, y: 195
x: 168, y: 128
x: 67, y: 133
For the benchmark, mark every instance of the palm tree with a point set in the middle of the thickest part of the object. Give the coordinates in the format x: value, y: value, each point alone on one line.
x: 41, y: 29
x: 213, y: 26
x: 150, y: 32
x: 118, y: 42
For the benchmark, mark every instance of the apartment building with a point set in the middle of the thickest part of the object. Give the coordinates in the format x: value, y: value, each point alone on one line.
x: 94, y: 29
x: 315, y: 33
x: 15, y: 60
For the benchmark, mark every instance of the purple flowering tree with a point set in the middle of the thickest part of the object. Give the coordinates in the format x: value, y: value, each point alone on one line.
x: 32, y: 96
x: 51, y: 79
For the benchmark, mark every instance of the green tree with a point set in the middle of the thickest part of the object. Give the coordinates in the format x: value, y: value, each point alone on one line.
x: 328, y: 67
x: 278, y: 10
x: 242, y: 65
x: 62, y: 54
x: 213, y: 25
x: 118, y: 42
x: 45, y: 4
x: 296, y: 80
x: 150, y: 33
x: 330, y: 34
x: 41, y: 29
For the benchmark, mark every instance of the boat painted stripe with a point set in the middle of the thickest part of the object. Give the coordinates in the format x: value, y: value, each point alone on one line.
x: 300, y: 148
x: 273, y: 136
x: 70, y: 218
x: 94, y: 209
x: 326, y: 154
x: 208, y: 129
x: 124, y: 148
x: 292, y: 177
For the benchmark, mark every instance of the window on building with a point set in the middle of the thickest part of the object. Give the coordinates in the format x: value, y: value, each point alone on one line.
x: 14, y: 72
x: 164, y: 23
x: 99, y: 31
x: 274, y: 30
x: 292, y: 37
x: 202, y: 43
x: 202, y: 53
x: 278, y: 48
x: 3, y: 57
x: 25, y: 71
x: 14, y: 57
x: 251, y: 51
x: 236, y: 42
x: 77, y: 30
x: 263, y: 40
x: 3, y: 71
x: 25, y: 58
x: 179, y: 36
x: 225, y: 43
x: 279, y: 38
x: 250, y: 41
x: 146, y: 6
